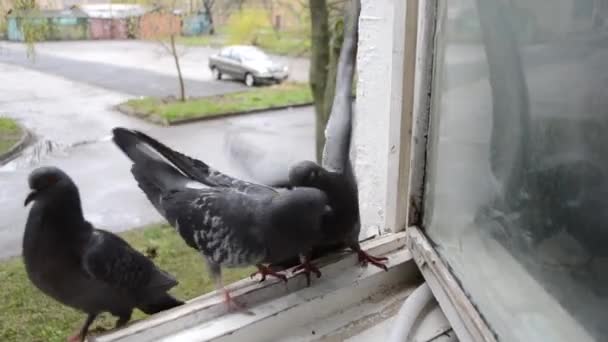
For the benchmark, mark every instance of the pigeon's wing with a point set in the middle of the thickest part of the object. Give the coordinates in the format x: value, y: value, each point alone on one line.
x: 220, y: 223
x: 200, y: 171
x: 339, y: 125
x: 111, y: 260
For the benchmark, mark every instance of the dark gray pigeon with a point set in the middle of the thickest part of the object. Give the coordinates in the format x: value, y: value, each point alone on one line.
x: 232, y: 223
x: 88, y: 269
x: 335, y: 177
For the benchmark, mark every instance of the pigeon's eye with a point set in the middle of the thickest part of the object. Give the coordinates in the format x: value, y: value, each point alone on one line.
x: 50, y: 180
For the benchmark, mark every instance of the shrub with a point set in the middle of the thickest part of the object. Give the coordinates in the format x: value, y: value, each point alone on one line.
x: 246, y: 26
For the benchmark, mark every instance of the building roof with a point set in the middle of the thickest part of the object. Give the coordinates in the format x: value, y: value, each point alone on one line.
x: 66, y: 13
x: 112, y: 11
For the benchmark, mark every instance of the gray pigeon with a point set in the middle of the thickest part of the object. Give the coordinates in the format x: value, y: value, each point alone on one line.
x: 88, y: 269
x: 231, y: 222
x: 335, y: 177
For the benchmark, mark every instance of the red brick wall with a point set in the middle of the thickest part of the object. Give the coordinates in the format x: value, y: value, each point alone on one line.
x: 108, y: 28
x: 156, y: 25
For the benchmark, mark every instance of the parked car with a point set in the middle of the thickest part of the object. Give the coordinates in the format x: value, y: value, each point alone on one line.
x: 247, y: 63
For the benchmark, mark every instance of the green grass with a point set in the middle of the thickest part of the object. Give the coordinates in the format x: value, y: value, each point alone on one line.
x: 257, y: 98
x: 28, y: 315
x: 216, y: 40
x: 293, y: 44
x: 10, y: 133
x: 284, y: 43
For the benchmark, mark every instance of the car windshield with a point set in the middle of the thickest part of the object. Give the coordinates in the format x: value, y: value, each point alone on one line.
x: 252, y: 54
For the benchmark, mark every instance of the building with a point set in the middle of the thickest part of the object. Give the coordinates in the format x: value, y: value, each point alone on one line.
x: 113, y: 21
x: 70, y: 24
x: 63, y: 4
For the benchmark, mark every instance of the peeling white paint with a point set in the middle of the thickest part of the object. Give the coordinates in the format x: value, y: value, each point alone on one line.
x: 370, y: 135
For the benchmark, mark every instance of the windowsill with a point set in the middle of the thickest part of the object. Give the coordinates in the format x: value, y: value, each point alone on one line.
x: 277, y: 309
x: 508, y: 293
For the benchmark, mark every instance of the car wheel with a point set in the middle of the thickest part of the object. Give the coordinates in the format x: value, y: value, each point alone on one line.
x: 216, y: 73
x: 249, y: 80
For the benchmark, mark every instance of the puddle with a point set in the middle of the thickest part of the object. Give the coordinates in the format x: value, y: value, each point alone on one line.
x: 41, y: 149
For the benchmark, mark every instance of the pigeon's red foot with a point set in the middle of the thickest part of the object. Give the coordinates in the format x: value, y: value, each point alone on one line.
x: 231, y: 303
x: 307, y: 268
x: 265, y: 270
x: 76, y: 338
x: 365, y: 258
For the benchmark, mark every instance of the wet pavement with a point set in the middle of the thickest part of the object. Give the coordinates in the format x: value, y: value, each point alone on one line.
x: 72, y: 121
x: 138, y: 82
x: 133, y: 67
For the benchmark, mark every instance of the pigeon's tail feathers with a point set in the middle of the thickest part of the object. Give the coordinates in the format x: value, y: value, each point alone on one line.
x: 159, y: 303
x: 152, y: 173
x: 151, y: 188
x: 193, y: 168
x: 128, y: 141
x: 199, y: 171
x: 162, y: 281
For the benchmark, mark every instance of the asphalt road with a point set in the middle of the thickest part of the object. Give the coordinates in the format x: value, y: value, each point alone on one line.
x: 132, y: 67
x: 70, y: 113
x: 133, y: 81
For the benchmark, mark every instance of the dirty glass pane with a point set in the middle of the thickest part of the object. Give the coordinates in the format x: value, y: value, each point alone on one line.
x: 517, y: 183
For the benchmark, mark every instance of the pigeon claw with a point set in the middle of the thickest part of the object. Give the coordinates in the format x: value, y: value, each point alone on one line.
x: 265, y: 270
x: 365, y: 258
x: 77, y: 337
x: 307, y: 268
x: 231, y: 304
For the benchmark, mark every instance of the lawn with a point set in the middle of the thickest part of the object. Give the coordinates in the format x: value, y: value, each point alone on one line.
x: 28, y: 315
x: 286, y: 94
x: 10, y: 133
x: 292, y: 44
x: 216, y: 40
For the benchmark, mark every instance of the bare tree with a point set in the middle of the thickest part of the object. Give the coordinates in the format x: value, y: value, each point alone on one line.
x: 319, y: 62
x: 163, y: 29
x: 32, y: 28
x: 269, y: 7
x: 173, y: 51
x: 208, y: 6
x: 327, y: 25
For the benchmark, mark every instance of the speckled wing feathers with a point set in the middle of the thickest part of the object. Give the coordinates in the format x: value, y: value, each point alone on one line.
x: 111, y: 260
x: 219, y: 223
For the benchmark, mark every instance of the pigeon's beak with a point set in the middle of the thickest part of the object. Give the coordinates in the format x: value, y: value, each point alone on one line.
x: 328, y: 210
x: 32, y: 196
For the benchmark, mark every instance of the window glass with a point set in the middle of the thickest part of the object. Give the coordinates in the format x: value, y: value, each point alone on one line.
x: 225, y: 53
x: 517, y: 178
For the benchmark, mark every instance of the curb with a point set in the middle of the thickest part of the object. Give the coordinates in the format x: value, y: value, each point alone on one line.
x: 26, y: 138
x: 159, y: 121
x: 127, y: 110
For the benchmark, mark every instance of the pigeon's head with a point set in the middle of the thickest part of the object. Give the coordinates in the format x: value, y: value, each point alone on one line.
x: 303, y: 199
x: 306, y: 173
x: 47, y: 181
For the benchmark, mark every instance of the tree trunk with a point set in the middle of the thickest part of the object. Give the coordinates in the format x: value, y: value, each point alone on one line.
x: 332, y: 69
x: 319, y: 61
x: 182, y: 88
x: 208, y: 8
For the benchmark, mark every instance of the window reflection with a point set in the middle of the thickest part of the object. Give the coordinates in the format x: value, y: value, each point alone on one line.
x: 517, y: 186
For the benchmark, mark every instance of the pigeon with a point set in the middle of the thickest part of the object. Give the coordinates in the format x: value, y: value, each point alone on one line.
x: 88, y: 269
x: 335, y: 176
x: 231, y: 222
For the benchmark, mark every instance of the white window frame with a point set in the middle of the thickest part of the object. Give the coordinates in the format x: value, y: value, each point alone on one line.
x: 409, y: 168
x: 465, y: 318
